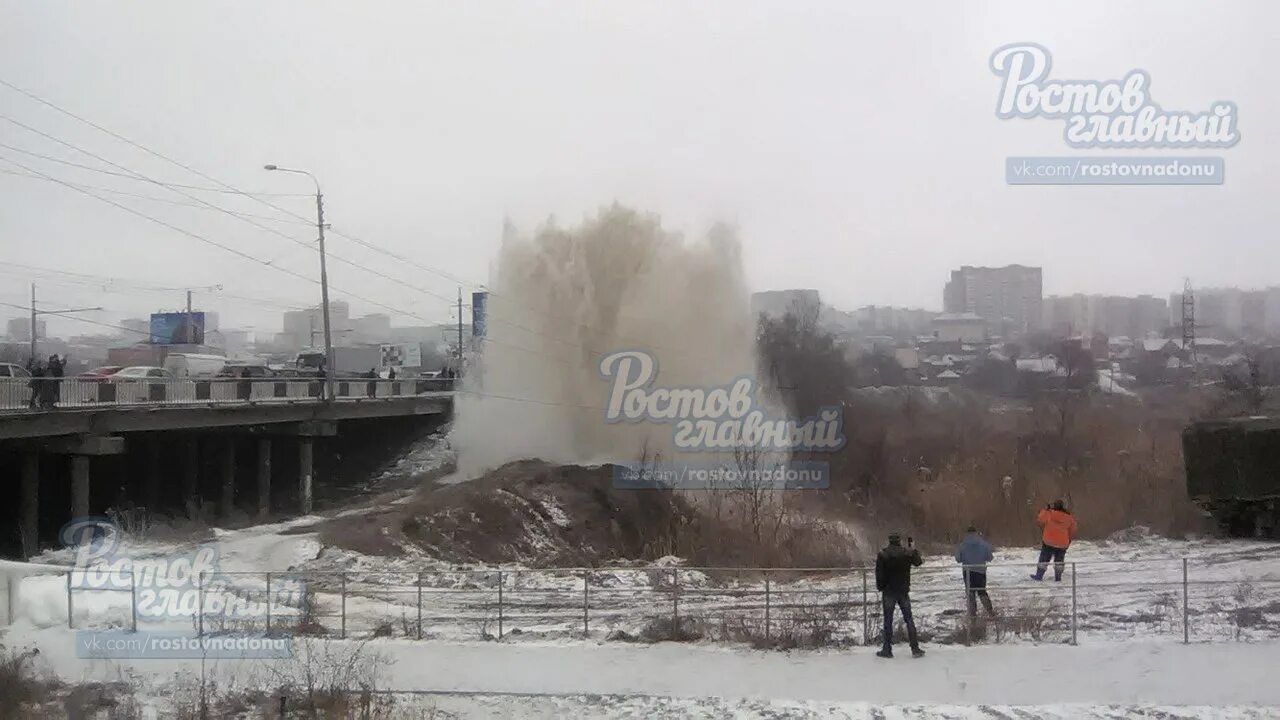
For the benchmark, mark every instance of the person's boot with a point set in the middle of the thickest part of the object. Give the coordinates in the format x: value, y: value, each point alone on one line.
x: 917, y: 652
x: 885, y: 653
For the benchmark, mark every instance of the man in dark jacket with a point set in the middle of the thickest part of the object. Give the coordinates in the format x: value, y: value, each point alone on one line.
x: 973, y: 554
x: 36, y: 384
x: 893, y: 580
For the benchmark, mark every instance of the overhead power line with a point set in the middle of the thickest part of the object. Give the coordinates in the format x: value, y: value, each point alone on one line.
x: 235, y: 190
x: 81, y: 319
x: 152, y: 198
x: 127, y: 176
x: 214, y: 243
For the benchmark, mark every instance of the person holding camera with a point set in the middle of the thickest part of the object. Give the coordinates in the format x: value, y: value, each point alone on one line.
x: 893, y: 580
x: 1058, y: 530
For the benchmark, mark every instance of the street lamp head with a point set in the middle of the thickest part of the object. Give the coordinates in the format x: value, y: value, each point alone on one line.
x: 269, y: 167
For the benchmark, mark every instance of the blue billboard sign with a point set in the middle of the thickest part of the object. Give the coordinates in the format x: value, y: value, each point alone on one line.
x: 177, y: 328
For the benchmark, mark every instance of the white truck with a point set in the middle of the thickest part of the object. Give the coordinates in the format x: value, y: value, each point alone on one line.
x: 349, y: 361
x: 193, y: 364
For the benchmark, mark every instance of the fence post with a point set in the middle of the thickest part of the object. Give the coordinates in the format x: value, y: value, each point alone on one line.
x: 675, y: 597
x: 419, y: 605
x: 344, y: 606
x: 767, y: 603
x: 133, y: 599
x: 1073, y: 603
x: 500, y: 605
x: 70, y: 614
x: 586, y: 602
x: 200, y: 604
x: 866, y: 626
x: 1186, y: 612
x: 268, y: 603
x: 973, y: 616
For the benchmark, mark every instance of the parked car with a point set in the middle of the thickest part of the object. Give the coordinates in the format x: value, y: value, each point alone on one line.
x: 9, y: 370
x: 100, y: 373
x: 237, y: 370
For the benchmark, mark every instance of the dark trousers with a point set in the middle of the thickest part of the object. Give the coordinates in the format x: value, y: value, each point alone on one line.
x: 975, y: 583
x: 1047, y: 553
x: 903, y: 601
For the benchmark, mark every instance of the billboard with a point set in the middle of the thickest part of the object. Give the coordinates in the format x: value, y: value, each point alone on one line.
x: 177, y: 328
x: 402, y: 355
x: 479, y: 312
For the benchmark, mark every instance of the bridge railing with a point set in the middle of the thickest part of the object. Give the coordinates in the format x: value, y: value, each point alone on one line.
x: 46, y: 394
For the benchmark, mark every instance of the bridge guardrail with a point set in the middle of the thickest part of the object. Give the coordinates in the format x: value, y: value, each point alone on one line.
x: 48, y: 394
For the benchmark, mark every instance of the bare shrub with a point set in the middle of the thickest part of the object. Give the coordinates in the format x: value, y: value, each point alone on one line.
x: 308, y: 621
x: 29, y: 691
x: 670, y: 629
x: 21, y: 683
x: 1245, y: 614
x: 327, y: 679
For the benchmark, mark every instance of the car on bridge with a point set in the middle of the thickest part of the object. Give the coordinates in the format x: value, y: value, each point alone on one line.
x: 141, y: 372
x: 100, y: 373
x: 9, y: 370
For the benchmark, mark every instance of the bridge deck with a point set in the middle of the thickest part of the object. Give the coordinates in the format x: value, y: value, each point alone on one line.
x: 84, y: 407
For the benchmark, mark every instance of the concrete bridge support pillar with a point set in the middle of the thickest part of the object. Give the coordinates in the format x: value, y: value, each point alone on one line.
x: 191, y: 477
x: 228, y: 502
x: 264, y: 478
x: 79, y: 486
x: 151, y: 483
x: 29, y: 528
x: 304, y: 474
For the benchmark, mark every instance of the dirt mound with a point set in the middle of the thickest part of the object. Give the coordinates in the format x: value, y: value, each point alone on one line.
x: 529, y: 512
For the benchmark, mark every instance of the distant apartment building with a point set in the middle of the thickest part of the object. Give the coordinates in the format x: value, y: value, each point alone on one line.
x: 305, y: 328
x: 1009, y: 299
x: 889, y: 320
x: 776, y: 303
x: 20, y: 329
x: 1231, y: 312
x: 371, y: 328
x: 1114, y: 316
x: 960, y: 328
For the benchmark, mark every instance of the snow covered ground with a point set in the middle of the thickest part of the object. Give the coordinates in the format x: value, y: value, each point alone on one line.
x: 539, y: 679
x: 1128, y: 596
x: 1131, y: 587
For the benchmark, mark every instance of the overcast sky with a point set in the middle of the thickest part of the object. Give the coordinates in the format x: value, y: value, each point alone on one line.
x: 855, y: 146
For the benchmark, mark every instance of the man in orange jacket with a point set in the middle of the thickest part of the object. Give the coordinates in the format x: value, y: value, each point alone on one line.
x: 1059, y: 529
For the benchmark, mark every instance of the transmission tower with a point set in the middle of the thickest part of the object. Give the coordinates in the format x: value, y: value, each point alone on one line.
x: 1189, y: 321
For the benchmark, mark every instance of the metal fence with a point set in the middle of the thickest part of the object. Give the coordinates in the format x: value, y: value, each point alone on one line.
x: 1180, y: 599
x: 45, y: 394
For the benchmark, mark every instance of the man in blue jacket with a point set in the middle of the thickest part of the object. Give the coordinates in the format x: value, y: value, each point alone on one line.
x: 973, y: 554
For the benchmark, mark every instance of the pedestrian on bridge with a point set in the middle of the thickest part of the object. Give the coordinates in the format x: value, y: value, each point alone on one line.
x: 893, y: 580
x: 56, y: 366
x: 973, y: 554
x: 36, y: 384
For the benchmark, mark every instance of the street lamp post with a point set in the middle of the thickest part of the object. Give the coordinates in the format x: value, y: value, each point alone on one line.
x: 324, y: 279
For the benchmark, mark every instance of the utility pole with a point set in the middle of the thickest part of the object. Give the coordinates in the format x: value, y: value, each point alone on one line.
x: 191, y: 328
x: 459, y: 370
x: 35, y: 312
x: 33, y: 323
x: 1189, y: 323
x: 324, y: 279
x: 324, y: 298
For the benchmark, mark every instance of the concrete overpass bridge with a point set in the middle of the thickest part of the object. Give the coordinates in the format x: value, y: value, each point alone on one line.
x: 198, y: 446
